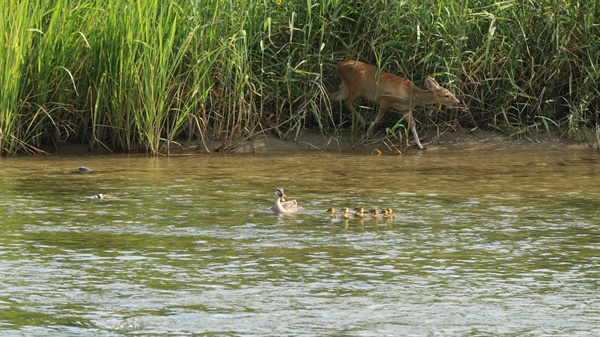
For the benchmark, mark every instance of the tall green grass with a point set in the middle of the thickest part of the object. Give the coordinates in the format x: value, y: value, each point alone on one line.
x: 144, y: 75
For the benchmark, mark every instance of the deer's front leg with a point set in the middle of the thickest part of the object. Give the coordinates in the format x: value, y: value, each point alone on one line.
x: 413, y: 128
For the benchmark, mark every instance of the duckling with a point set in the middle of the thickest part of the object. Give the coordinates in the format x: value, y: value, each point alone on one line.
x: 282, y: 206
x: 374, y: 213
x: 360, y: 213
x: 345, y: 214
x: 391, y: 214
x: 388, y: 213
x: 332, y: 214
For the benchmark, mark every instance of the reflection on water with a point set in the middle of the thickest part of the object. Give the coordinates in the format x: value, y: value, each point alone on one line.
x: 502, y: 244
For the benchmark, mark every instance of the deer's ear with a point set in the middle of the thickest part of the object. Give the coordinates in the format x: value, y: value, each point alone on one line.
x: 431, y: 83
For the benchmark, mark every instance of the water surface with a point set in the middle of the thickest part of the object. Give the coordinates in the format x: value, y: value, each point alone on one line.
x: 487, y: 244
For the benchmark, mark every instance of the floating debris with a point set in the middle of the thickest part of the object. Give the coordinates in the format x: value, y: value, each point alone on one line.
x: 83, y: 170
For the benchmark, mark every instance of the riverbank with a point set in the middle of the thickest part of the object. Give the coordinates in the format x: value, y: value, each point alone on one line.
x: 460, y: 139
x: 452, y: 140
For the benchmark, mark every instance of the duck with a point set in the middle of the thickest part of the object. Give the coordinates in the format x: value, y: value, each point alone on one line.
x: 281, y: 205
x: 332, y: 214
x: 360, y: 213
x: 96, y: 196
x: 345, y: 214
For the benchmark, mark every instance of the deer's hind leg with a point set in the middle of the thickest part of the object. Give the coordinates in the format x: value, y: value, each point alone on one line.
x: 350, y: 105
x: 383, y: 106
x: 341, y: 94
x: 346, y: 95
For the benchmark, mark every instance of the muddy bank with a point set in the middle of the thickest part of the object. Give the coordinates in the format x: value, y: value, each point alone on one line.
x: 455, y: 140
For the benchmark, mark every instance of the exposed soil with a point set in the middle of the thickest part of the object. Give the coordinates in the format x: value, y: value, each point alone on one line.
x: 460, y: 139
x: 453, y: 140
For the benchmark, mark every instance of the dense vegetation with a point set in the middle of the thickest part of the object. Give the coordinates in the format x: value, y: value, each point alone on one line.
x: 142, y: 74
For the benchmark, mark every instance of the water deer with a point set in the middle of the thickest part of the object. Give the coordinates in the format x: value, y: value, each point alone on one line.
x: 360, y: 79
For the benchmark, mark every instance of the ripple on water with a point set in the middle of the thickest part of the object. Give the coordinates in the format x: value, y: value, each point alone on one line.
x: 176, y: 251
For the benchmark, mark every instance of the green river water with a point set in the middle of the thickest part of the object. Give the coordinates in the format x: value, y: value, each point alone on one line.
x: 497, y: 243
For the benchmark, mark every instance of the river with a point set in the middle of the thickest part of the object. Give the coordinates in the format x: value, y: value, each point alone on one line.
x: 486, y: 243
